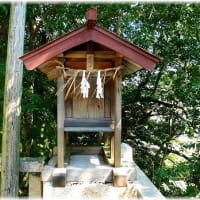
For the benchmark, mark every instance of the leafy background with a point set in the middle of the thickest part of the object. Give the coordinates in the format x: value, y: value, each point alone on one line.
x: 160, y: 108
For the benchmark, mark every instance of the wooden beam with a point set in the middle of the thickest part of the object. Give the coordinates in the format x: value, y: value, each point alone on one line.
x: 97, y: 54
x: 91, y: 17
x: 50, y: 65
x: 82, y: 64
x: 60, y: 122
x: 53, y: 74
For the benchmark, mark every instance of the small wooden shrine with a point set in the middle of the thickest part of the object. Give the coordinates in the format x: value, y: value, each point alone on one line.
x: 89, y: 64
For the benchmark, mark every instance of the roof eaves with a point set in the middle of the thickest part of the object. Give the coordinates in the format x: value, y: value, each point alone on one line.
x: 126, y: 42
x: 133, y: 52
x: 50, y: 47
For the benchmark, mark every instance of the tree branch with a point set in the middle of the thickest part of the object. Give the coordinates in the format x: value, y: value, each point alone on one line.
x: 157, y: 79
x: 179, y: 154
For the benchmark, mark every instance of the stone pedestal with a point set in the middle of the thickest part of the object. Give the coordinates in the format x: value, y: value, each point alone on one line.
x: 35, y: 186
x: 120, y: 178
x: 59, y: 177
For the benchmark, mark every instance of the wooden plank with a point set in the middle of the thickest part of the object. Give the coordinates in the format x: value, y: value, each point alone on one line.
x: 50, y: 65
x: 80, y: 107
x: 130, y: 67
x: 95, y: 106
x: 89, y: 125
x: 103, y: 119
x: 88, y: 129
x: 93, y: 74
x: 117, y: 136
x: 97, y: 54
x: 107, y: 100
x: 89, y: 107
x: 69, y: 107
x: 89, y: 61
x: 81, y: 122
x: 82, y: 64
x: 60, y: 123
x: 46, y: 68
x: 87, y: 150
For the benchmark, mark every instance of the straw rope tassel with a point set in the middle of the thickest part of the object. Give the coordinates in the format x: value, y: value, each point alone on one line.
x: 84, y: 86
x: 99, y: 93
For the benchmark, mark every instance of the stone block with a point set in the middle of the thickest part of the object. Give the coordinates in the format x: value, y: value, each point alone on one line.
x: 59, y: 177
x: 29, y: 164
x: 131, y: 174
x: 35, y: 186
x: 47, y: 173
x: 120, y: 177
x: 126, y: 153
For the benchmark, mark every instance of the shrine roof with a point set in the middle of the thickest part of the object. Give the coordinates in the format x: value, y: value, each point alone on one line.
x: 90, y: 32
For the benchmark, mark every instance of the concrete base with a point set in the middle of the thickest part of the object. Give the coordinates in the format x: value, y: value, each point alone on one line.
x: 59, y: 177
x: 120, y: 178
x: 88, y: 191
x: 35, y: 185
x: 84, y: 175
x: 88, y: 168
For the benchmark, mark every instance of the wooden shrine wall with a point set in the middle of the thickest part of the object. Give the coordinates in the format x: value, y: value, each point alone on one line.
x: 92, y: 108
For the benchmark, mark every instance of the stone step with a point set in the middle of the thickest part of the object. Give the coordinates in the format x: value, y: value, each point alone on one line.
x: 89, y: 175
x: 88, y: 168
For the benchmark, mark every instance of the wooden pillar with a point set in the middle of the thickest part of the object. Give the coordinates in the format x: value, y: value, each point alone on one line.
x: 112, y: 107
x: 35, y: 185
x: 12, y: 102
x: 117, y: 134
x: 60, y: 123
x: 112, y: 148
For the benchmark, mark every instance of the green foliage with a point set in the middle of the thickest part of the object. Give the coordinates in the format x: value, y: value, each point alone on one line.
x: 176, y: 180
x: 158, y: 106
x: 38, y: 115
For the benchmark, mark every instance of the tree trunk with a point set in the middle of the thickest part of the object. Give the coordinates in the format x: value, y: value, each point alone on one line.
x: 12, y: 100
